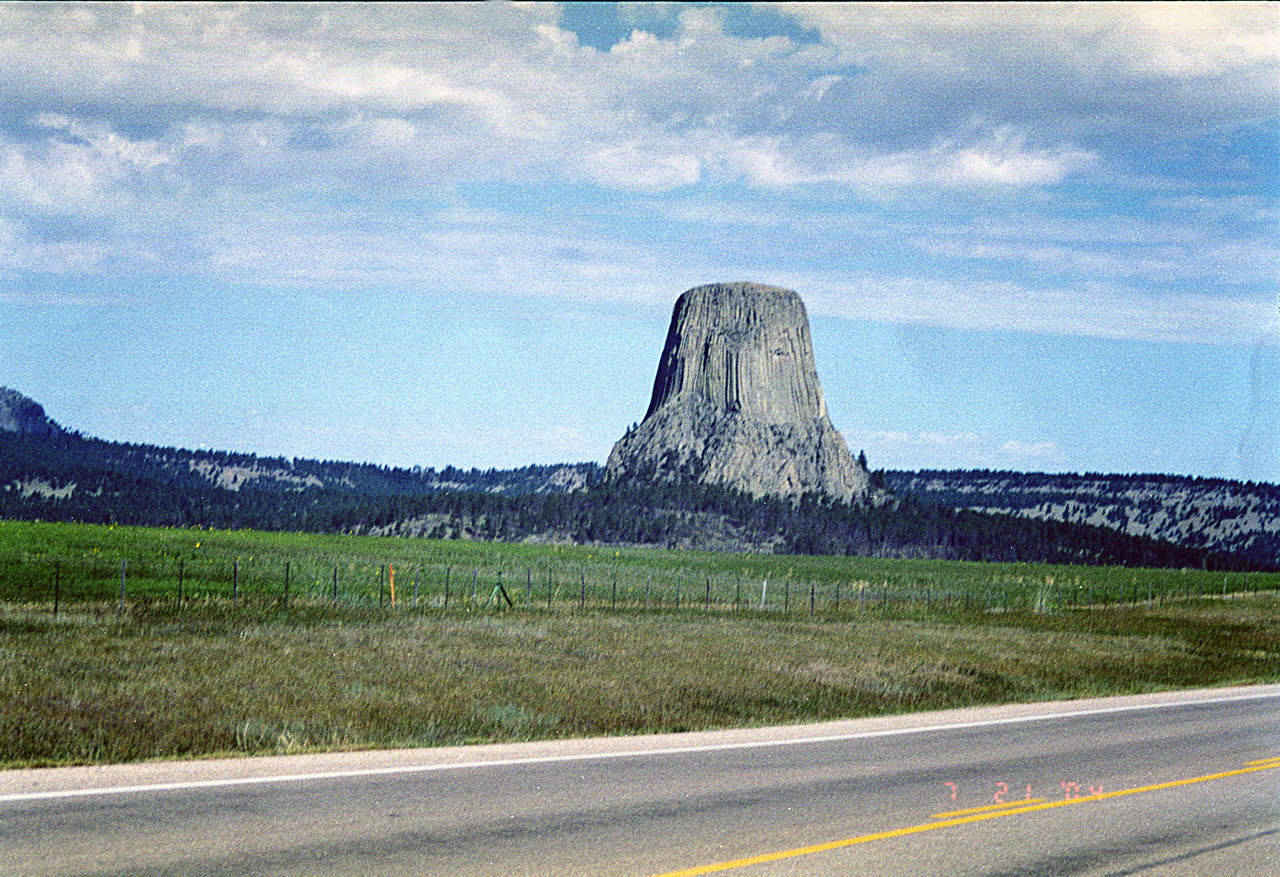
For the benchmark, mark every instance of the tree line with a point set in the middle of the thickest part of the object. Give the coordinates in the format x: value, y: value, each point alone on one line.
x: 150, y: 486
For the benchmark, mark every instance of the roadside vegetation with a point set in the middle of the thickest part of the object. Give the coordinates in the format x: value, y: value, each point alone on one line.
x: 538, y: 641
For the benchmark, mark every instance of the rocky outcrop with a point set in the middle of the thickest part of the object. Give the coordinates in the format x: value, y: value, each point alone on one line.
x: 737, y: 401
x: 22, y: 415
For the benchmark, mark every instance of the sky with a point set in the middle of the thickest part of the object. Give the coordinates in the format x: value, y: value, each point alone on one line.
x: 1029, y: 237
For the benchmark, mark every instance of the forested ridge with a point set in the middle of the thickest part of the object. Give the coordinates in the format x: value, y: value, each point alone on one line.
x: 1241, y: 518
x: 70, y: 477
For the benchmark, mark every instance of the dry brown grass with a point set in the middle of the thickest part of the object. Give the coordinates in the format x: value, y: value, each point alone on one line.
x: 89, y: 688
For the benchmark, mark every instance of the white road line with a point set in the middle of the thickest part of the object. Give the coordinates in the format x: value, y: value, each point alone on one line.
x: 630, y: 753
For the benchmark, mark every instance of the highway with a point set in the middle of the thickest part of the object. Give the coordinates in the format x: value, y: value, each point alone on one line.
x: 1179, y: 783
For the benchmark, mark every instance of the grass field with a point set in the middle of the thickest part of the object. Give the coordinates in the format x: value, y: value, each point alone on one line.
x: 107, y: 680
x: 90, y: 563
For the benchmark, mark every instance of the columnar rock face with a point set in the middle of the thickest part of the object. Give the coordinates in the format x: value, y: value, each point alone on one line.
x: 737, y: 401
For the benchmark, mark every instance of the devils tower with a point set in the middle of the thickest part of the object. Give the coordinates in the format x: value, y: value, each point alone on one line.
x: 737, y: 401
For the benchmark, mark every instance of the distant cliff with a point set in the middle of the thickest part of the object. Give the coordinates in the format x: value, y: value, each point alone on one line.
x: 737, y: 402
x: 1214, y: 514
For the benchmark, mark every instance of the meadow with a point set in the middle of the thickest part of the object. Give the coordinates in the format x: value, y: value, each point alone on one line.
x: 121, y: 644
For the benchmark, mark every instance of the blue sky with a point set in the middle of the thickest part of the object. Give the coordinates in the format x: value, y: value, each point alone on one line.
x: 1034, y: 237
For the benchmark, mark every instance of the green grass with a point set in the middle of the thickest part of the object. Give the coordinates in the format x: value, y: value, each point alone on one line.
x: 154, y: 678
x: 87, y: 563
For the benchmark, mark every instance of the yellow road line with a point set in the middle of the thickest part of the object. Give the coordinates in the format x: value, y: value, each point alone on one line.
x: 990, y: 807
x: 1021, y: 807
x: 1268, y: 761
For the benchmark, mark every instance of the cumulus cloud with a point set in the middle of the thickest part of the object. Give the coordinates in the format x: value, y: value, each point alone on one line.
x: 506, y: 82
x: 188, y: 138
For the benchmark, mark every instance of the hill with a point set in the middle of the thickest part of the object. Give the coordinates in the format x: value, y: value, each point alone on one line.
x: 1213, y: 514
x: 65, y: 476
x: 24, y: 415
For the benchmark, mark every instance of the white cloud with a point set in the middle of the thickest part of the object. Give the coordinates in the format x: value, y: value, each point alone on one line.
x: 1093, y: 310
x: 937, y: 449
x: 630, y: 166
x: 268, y: 141
x: 1139, y: 39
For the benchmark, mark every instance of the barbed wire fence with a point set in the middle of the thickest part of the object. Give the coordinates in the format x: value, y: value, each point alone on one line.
x: 57, y: 584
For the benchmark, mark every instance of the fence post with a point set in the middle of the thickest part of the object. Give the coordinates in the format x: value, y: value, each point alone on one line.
x: 813, y: 596
x: 708, y: 600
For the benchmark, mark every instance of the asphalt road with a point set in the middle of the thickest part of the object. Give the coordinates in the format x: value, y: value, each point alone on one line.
x: 1182, y: 783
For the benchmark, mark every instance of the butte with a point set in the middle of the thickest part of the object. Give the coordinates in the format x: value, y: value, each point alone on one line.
x: 736, y: 402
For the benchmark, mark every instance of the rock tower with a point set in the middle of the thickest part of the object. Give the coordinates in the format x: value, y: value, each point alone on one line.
x: 737, y: 401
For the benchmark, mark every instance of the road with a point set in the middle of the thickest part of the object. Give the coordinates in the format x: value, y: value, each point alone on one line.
x: 1181, y: 783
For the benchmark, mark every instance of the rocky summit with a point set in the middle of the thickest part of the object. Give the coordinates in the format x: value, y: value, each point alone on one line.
x: 737, y: 401
x: 23, y: 415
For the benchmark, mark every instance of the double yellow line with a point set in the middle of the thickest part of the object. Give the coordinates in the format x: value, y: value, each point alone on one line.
x: 963, y: 817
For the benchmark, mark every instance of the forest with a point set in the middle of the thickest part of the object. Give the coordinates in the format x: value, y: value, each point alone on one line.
x: 69, y: 477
